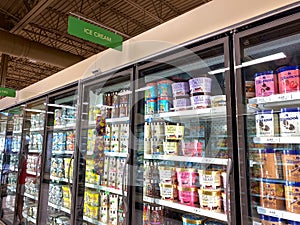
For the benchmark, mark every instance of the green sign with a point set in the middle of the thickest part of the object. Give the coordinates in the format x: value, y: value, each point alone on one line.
x: 7, y: 92
x: 92, y: 33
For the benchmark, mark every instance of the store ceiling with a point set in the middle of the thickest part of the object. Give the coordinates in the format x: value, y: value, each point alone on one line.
x: 44, y: 22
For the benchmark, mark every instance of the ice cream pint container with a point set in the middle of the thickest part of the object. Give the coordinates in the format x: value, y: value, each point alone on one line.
x: 200, y: 101
x: 289, y: 122
x: 288, y: 79
x: 164, y: 88
x: 265, y: 83
x: 200, y: 85
x: 266, y: 123
x: 180, y: 89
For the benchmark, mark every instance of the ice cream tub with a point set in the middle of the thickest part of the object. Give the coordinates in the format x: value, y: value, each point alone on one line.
x: 180, y: 89
x: 218, y: 100
x: 291, y: 165
x: 288, y: 79
x: 272, y: 194
x: 167, y: 174
x: 151, y: 91
x: 250, y: 89
x: 190, y: 219
x: 292, y: 196
x: 187, y: 177
x: 181, y: 103
x: 188, y: 196
x: 289, y: 122
x: 170, y: 147
x: 164, y: 88
x: 200, y: 101
x: 174, y: 132
x: 265, y: 83
x: 150, y: 106
x: 164, y: 104
x: 168, y: 191
x: 200, y: 85
x: 210, y: 179
x: 266, y: 123
x: 192, y: 148
x: 270, y: 220
x: 210, y: 200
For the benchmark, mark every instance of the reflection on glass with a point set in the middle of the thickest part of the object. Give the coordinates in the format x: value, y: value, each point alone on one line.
x: 272, y: 99
x: 104, y: 149
x: 182, y: 148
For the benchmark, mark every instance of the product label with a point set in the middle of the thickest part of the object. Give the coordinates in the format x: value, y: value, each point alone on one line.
x: 266, y: 125
x: 289, y: 81
x: 289, y: 123
x: 200, y: 84
x: 265, y: 85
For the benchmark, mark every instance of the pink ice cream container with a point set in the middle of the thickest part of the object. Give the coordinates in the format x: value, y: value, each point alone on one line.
x: 288, y: 79
x: 187, y: 177
x: 265, y: 83
x: 188, y: 196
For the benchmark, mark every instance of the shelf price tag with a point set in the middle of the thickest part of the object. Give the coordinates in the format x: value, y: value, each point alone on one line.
x: 260, y: 100
x: 280, y: 97
x: 272, y: 140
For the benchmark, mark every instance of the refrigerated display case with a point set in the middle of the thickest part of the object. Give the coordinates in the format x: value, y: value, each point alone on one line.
x: 30, y: 162
x: 103, y: 149
x: 268, y: 98
x: 58, y: 157
x: 184, y: 148
x: 11, y: 130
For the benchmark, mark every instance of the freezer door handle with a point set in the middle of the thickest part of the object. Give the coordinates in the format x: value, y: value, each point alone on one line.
x: 228, y: 171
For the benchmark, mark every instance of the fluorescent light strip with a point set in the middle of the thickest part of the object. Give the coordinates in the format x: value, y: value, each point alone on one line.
x: 62, y: 106
x: 124, y: 93
x: 218, y: 71
x: 268, y: 58
x: 143, y: 89
x: 35, y: 110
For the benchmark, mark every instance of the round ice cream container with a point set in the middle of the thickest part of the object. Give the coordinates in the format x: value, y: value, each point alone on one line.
x: 164, y: 104
x: 180, y: 89
x: 188, y: 196
x: 200, y: 85
x: 218, y: 100
x: 288, y: 79
x: 266, y: 123
x: 200, y: 101
x: 182, y: 103
x: 151, y: 91
x: 164, y: 88
x: 187, y: 177
x: 210, y: 200
x: 265, y: 83
x: 289, y: 122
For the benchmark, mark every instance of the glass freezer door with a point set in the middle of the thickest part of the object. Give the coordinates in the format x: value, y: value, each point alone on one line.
x: 58, y: 168
x: 184, y: 145
x: 30, y: 162
x: 11, y: 131
x: 103, y: 151
x: 269, y: 121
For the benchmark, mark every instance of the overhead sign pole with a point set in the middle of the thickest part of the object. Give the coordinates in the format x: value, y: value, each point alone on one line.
x: 95, y: 34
